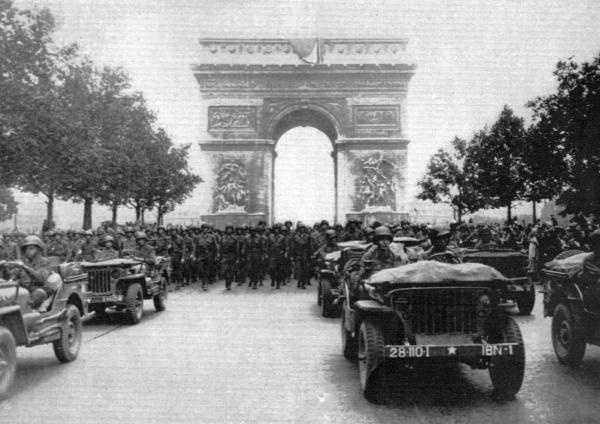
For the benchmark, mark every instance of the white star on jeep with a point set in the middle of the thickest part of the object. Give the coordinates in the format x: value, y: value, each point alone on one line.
x: 451, y: 350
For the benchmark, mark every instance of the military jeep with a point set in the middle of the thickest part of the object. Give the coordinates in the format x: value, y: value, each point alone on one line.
x: 332, y: 271
x: 574, y: 308
x: 122, y: 284
x: 513, y: 265
x: 57, y: 321
x: 431, y: 311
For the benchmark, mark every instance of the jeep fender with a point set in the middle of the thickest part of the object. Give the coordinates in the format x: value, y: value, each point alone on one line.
x: 570, y: 295
x: 127, y: 280
x: 12, y: 319
x: 327, y: 273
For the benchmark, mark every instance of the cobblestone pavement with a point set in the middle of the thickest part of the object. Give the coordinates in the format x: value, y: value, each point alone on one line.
x: 258, y: 356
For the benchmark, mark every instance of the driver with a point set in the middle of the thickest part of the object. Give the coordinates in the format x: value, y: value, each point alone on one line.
x: 329, y: 246
x: 379, y: 256
x: 32, y: 274
x: 440, y: 239
x: 147, y: 251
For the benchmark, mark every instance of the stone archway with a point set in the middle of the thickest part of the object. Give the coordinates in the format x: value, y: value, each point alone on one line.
x: 255, y: 90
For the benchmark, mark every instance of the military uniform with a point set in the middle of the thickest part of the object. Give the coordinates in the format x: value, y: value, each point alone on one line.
x: 59, y: 249
x: 230, y: 249
x: 206, y: 253
x: 301, y: 251
x: 254, y: 252
x: 278, y: 253
x: 177, y: 251
x: 189, y: 264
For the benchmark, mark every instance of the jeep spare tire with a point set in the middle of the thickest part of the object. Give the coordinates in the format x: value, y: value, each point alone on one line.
x: 134, y: 303
x: 8, y: 361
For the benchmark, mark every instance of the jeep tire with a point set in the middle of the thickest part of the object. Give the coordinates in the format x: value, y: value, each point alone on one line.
x: 160, y: 300
x: 8, y: 361
x: 66, y: 348
x: 507, y: 372
x: 134, y: 303
x: 526, y: 301
x: 371, y: 355
x: 328, y: 308
x: 568, y: 338
x: 349, y: 342
x: 319, y: 293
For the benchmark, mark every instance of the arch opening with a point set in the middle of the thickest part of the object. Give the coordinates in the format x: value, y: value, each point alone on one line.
x: 304, y: 176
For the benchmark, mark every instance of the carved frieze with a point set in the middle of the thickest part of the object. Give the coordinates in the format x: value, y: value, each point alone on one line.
x: 375, y: 181
x: 232, y: 118
x: 377, y: 117
x: 231, y: 190
x: 349, y: 47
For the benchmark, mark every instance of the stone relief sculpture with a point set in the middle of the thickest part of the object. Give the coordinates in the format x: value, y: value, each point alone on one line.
x: 231, y: 192
x: 375, y: 182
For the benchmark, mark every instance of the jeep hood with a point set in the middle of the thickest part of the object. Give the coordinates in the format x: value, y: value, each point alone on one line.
x: 122, y: 262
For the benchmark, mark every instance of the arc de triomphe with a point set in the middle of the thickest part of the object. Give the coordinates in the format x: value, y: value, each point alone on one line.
x: 254, y: 90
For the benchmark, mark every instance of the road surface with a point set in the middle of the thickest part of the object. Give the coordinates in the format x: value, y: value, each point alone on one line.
x: 262, y: 356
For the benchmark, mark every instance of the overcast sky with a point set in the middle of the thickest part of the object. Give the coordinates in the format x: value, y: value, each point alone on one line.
x: 472, y: 56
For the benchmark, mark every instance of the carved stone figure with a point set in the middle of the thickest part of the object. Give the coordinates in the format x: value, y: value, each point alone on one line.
x: 375, y: 184
x: 231, y: 192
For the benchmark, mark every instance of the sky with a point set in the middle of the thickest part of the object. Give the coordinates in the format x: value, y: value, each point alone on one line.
x: 472, y: 57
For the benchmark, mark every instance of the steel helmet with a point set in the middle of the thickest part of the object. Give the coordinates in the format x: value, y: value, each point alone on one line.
x: 229, y: 225
x: 438, y: 232
x: 108, y: 238
x: 88, y: 233
x: 330, y: 234
x: 141, y: 235
x: 382, y: 232
x: 33, y: 241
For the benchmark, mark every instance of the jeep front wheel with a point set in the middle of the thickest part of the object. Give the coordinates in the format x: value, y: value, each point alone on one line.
x: 371, y: 355
x: 328, y: 308
x: 134, y: 303
x: 507, y: 371
x: 526, y: 301
x: 567, y: 336
x: 349, y: 342
x: 8, y: 361
x: 160, y: 300
x: 67, y: 347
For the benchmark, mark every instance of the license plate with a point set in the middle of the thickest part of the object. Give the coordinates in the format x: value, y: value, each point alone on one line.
x: 105, y: 299
x: 432, y: 351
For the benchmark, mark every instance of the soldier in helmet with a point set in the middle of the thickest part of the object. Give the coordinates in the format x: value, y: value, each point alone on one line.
x: 329, y: 246
x: 34, y: 271
x: 301, y: 249
x: 146, y: 250
x: 207, y: 252
x: 56, y: 247
x: 88, y: 246
x: 277, y: 252
x: 440, y: 239
x: 379, y: 256
x: 229, y: 249
x: 129, y: 243
x: 106, y: 249
x: 189, y: 260
x: 176, y: 251
x: 254, y: 251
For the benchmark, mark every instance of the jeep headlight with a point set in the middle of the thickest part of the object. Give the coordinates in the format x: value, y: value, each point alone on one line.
x: 115, y: 274
x: 484, y: 305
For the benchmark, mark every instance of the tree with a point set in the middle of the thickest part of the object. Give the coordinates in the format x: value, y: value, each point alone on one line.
x: 496, y: 156
x: 8, y: 204
x: 448, y: 180
x: 568, y: 124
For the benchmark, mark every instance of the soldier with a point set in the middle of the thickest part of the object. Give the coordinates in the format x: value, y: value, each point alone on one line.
x: 106, y: 249
x: 329, y: 246
x: 277, y: 253
x: 161, y: 242
x: 129, y: 242
x: 405, y: 230
x: 287, y: 263
x: 34, y: 271
x: 207, y: 251
x: 88, y: 246
x: 189, y: 260
x: 379, y: 256
x: 56, y: 247
x: 229, y: 248
x: 301, y: 250
x: 176, y: 251
x: 254, y: 252
x: 148, y: 253
x: 241, y: 265
x: 440, y: 239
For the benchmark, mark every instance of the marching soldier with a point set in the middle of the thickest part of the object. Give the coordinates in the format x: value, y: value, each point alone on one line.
x: 254, y: 252
x: 88, y: 246
x: 229, y: 248
x: 277, y: 254
x: 56, y: 247
x: 207, y: 251
x: 189, y: 259
x: 128, y: 243
x: 301, y: 251
x: 176, y: 251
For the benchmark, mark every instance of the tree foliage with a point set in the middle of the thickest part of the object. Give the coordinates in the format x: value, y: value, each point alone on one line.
x: 8, y: 204
x: 449, y: 180
x: 567, y: 125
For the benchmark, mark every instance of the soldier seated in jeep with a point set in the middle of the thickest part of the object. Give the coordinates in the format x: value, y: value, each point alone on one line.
x: 380, y: 256
x: 32, y: 274
x: 107, y: 249
x: 147, y: 251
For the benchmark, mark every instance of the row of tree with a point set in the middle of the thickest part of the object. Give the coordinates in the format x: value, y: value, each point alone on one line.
x: 556, y: 157
x: 73, y: 131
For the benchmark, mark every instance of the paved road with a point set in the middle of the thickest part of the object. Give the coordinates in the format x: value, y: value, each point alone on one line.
x: 267, y: 356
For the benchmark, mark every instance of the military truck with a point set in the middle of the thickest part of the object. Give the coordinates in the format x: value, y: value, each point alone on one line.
x: 122, y: 284
x: 431, y: 311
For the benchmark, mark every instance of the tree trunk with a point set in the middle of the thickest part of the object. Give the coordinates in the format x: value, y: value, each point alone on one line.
x: 87, y: 213
x: 460, y: 214
x: 115, y: 206
x: 159, y: 216
x: 137, y: 213
x: 508, y: 213
x: 50, y: 208
x: 533, y: 213
x: 143, y: 210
